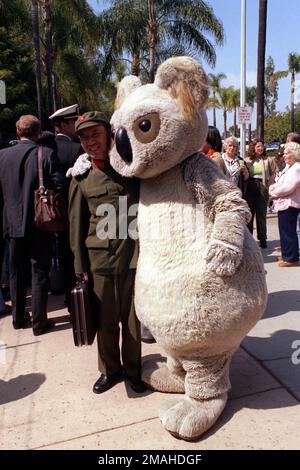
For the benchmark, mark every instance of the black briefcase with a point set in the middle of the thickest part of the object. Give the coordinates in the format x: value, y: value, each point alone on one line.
x: 83, y: 318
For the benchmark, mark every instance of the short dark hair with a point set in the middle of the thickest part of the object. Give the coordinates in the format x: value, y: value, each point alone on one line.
x: 28, y: 126
x: 294, y: 137
x: 214, y: 139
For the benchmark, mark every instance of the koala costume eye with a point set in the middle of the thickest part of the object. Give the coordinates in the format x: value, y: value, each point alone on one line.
x: 145, y: 125
x: 146, y: 128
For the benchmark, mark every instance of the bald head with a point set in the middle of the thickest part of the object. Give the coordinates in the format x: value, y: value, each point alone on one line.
x: 28, y: 126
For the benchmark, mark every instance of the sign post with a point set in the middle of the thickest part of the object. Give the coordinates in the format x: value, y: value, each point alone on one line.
x: 243, y: 77
x: 244, y: 115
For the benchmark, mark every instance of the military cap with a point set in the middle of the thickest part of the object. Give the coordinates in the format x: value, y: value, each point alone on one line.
x: 91, y: 118
x: 63, y: 114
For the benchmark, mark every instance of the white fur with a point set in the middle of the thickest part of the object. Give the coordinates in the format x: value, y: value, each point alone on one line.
x: 200, y: 287
x: 81, y: 166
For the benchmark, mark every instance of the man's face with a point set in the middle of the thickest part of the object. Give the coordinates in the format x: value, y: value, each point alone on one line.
x: 68, y: 127
x: 93, y: 141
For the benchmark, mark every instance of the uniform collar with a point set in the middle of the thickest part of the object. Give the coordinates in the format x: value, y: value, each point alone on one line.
x: 64, y: 135
x: 27, y: 141
x: 100, y: 163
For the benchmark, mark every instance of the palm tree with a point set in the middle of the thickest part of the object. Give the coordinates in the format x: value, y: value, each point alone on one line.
x: 152, y: 38
x: 213, y: 103
x: 167, y: 22
x: 122, y: 30
x: 75, y: 62
x: 215, y: 83
x: 37, y: 56
x: 293, y: 69
x: 250, y: 100
x: 47, y: 19
x: 226, y: 103
x: 261, y: 52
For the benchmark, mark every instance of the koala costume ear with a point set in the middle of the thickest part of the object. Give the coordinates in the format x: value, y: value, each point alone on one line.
x: 125, y: 87
x: 186, y: 81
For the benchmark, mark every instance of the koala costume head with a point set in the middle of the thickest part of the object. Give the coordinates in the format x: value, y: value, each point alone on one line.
x: 199, y: 288
x: 159, y: 125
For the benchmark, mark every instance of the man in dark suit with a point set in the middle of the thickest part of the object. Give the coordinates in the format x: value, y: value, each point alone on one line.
x: 67, y: 149
x: 18, y: 181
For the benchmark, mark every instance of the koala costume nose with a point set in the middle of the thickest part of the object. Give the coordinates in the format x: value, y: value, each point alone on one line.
x: 123, y: 145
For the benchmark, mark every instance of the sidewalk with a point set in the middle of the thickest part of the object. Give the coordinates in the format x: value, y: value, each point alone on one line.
x: 46, y: 386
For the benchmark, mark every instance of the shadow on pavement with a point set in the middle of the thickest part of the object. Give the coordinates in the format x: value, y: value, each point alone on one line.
x: 282, y: 302
x: 20, y: 387
x: 257, y: 399
x: 277, y: 346
x: 268, y: 253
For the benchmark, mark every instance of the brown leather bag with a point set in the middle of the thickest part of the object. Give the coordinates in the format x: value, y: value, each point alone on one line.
x: 51, y: 211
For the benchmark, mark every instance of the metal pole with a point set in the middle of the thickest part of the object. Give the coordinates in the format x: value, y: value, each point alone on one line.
x: 243, y: 77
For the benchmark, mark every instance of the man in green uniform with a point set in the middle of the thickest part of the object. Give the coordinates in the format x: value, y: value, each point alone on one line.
x: 97, y: 199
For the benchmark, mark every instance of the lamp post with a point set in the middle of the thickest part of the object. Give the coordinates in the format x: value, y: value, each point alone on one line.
x: 243, y: 77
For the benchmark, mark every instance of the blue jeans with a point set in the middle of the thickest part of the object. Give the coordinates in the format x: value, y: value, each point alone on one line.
x: 287, y: 223
x: 298, y: 230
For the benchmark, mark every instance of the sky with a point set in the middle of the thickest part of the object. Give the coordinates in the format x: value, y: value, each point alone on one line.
x: 283, y: 37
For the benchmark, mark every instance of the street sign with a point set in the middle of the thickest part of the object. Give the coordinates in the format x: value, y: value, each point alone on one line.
x: 244, y: 115
x: 2, y: 92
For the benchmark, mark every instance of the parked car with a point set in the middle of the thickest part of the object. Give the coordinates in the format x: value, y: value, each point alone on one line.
x: 272, y: 146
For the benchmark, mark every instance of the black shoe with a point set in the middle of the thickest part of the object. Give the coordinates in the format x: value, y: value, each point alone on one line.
x: 148, y: 340
x: 43, y: 329
x: 263, y: 244
x: 137, y: 385
x: 22, y: 323
x: 105, y: 382
x: 6, y: 311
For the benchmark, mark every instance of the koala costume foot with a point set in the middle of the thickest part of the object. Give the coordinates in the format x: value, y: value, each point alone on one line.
x: 187, y: 418
x: 158, y: 376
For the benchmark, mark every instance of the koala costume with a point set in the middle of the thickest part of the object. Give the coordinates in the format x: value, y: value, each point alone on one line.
x: 200, y: 283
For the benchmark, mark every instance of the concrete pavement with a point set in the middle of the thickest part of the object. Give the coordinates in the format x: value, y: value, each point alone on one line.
x: 47, y: 402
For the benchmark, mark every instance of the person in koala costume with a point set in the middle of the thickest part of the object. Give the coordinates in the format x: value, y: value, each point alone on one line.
x: 200, y: 282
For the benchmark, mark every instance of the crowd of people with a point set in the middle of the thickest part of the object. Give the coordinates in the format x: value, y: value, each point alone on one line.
x: 265, y: 182
x: 80, y: 149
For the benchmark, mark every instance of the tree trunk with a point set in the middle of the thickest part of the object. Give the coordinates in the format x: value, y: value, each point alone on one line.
x: 225, y: 124
x: 249, y: 133
x: 214, y: 110
x: 293, y: 101
x: 135, y: 64
x: 261, y: 52
x: 37, y: 57
x: 152, y: 38
x: 46, y: 15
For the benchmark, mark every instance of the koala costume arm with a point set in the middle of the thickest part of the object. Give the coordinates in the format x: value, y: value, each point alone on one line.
x: 224, y: 207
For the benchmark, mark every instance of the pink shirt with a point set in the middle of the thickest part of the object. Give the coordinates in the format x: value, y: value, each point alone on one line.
x: 286, y: 192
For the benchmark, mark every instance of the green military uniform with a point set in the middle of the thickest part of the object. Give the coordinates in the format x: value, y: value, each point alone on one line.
x: 107, y: 262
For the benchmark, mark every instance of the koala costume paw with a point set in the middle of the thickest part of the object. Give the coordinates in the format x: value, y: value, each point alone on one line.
x: 221, y: 259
